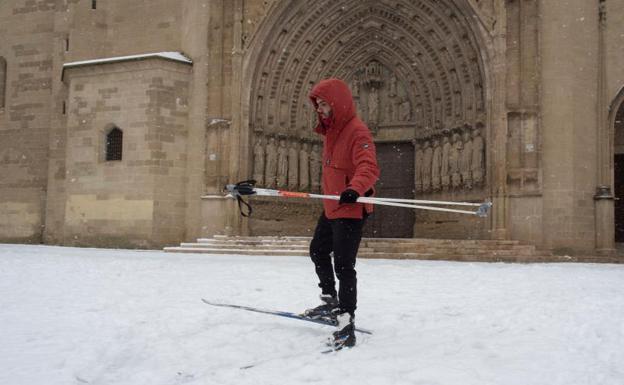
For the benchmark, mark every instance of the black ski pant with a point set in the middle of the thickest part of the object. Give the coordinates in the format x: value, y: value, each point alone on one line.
x: 342, y: 236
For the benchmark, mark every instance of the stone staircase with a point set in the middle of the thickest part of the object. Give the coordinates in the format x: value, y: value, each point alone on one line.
x: 386, y: 248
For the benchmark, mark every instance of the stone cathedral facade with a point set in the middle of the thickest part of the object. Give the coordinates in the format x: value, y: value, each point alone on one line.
x: 122, y: 120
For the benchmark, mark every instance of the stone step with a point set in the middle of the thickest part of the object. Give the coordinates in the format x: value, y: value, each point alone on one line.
x: 264, y: 246
x: 475, y: 250
x: 462, y: 242
x: 387, y: 248
x: 368, y: 255
x: 252, y: 238
x: 428, y: 249
x: 455, y: 250
x: 363, y: 252
x: 201, y: 250
x: 304, y: 248
x: 381, y: 241
x: 207, y: 241
x: 373, y: 243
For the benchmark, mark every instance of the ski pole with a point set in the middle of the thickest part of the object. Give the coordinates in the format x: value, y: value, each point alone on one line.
x: 419, y: 201
x: 482, y: 211
x: 248, y: 188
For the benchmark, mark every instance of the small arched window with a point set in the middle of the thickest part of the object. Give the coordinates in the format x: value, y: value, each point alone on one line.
x: 3, y: 81
x: 114, y: 144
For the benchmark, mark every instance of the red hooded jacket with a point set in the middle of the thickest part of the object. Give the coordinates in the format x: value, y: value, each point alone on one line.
x: 349, y: 156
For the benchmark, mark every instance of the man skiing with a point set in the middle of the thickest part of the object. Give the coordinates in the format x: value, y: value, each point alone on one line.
x: 349, y: 170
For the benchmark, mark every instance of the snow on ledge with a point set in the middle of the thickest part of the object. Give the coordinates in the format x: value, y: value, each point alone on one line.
x: 175, y: 56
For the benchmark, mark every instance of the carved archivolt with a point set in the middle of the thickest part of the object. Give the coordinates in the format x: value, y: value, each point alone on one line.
x: 411, y: 64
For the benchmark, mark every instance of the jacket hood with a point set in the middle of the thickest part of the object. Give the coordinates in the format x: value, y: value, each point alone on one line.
x: 338, y: 95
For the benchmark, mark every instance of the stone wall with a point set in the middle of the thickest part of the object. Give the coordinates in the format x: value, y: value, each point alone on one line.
x: 26, y: 31
x: 121, y: 27
x: 138, y: 201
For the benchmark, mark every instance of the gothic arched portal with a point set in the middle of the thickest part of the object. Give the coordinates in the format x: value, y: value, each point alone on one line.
x: 618, y: 167
x: 418, y: 73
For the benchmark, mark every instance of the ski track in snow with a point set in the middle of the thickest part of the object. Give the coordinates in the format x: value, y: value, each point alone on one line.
x: 95, y: 316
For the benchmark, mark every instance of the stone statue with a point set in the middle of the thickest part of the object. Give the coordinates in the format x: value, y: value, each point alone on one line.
x: 456, y: 149
x: 426, y: 173
x: 282, y: 164
x: 438, y: 114
x: 305, y: 111
x: 358, y: 110
x: 436, y: 162
x: 480, y: 103
x: 388, y: 112
x: 465, y: 164
x: 304, y: 167
x: 418, y: 166
x: 397, y: 108
x: 457, y: 100
x: 293, y: 166
x: 259, y: 107
x: 468, y: 103
x: 284, y: 110
x: 271, y: 164
x: 263, y: 80
x: 373, y: 106
x: 445, y: 178
x: 477, y: 164
x: 315, y: 168
x: 393, y: 86
x: 318, y: 72
x: 355, y: 88
x: 258, y: 168
x: 405, y: 113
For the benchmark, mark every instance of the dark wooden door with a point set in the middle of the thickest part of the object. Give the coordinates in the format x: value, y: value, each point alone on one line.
x: 396, y: 163
x: 619, y: 195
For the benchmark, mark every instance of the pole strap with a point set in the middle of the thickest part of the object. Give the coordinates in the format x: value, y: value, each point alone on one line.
x: 246, y: 187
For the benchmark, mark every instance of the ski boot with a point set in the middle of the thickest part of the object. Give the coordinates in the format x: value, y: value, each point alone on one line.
x: 345, y: 335
x: 326, y: 311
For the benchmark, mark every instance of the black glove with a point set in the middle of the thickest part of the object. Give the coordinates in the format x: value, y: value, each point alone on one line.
x: 349, y: 196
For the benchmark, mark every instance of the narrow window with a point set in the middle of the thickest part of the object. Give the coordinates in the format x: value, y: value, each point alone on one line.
x: 93, y: 4
x: 114, y: 144
x: 66, y: 43
x: 3, y: 81
x: 64, y: 107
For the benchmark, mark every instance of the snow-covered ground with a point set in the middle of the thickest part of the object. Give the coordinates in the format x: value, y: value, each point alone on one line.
x: 93, y: 316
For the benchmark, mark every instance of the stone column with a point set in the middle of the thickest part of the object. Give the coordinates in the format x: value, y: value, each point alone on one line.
x: 195, y: 44
x: 569, y: 64
x: 605, y: 220
x: 496, y: 132
x: 241, y: 148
